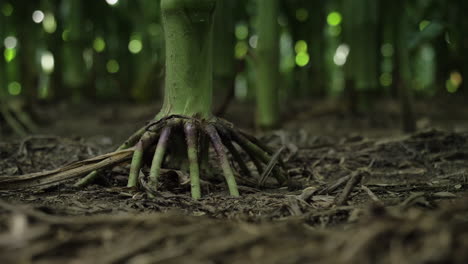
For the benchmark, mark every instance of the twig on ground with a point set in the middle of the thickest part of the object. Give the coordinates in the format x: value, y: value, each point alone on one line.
x: 270, y: 166
x: 371, y: 194
x: 336, y: 185
x: 354, y: 180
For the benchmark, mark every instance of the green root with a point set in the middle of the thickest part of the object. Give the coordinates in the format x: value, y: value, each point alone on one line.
x: 137, y: 161
x: 192, y: 153
x: 135, y: 167
x: 223, y: 160
x: 158, y: 157
x: 131, y: 141
x: 223, y: 138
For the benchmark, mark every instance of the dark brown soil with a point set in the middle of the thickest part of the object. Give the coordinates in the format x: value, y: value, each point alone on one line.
x: 360, y: 192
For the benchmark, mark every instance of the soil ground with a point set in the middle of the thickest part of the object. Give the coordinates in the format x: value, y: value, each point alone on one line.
x: 360, y: 192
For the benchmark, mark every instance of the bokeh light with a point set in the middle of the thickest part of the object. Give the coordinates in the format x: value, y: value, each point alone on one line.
x: 7, y: 9
x: 241, y: 31
x: 241, y: 49
x: 302, y: 59
x: 9, y: 54
x: 253, y: 41
x: 387, y: 50
x: 112, y: 66
x: 334, y: 31
x: 38, y: 16
x: 112, y: 2
x: 456, y: 78
x: 301, y: 46
x: 334, y: 19
x: 47, y: 62
x: 386, y: 79
x: 453, y: 83
x: 66, y: 35
x: 341, y: 54
x: 135, y: 46
x: 49, y: 24
x: 14, y: 88
x: 423, y: 24
x: 302, y: 14
x: 10, y: 42
x: 99, y: 44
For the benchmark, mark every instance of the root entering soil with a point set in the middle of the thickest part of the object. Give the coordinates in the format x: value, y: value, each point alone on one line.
x: 159, y: 139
